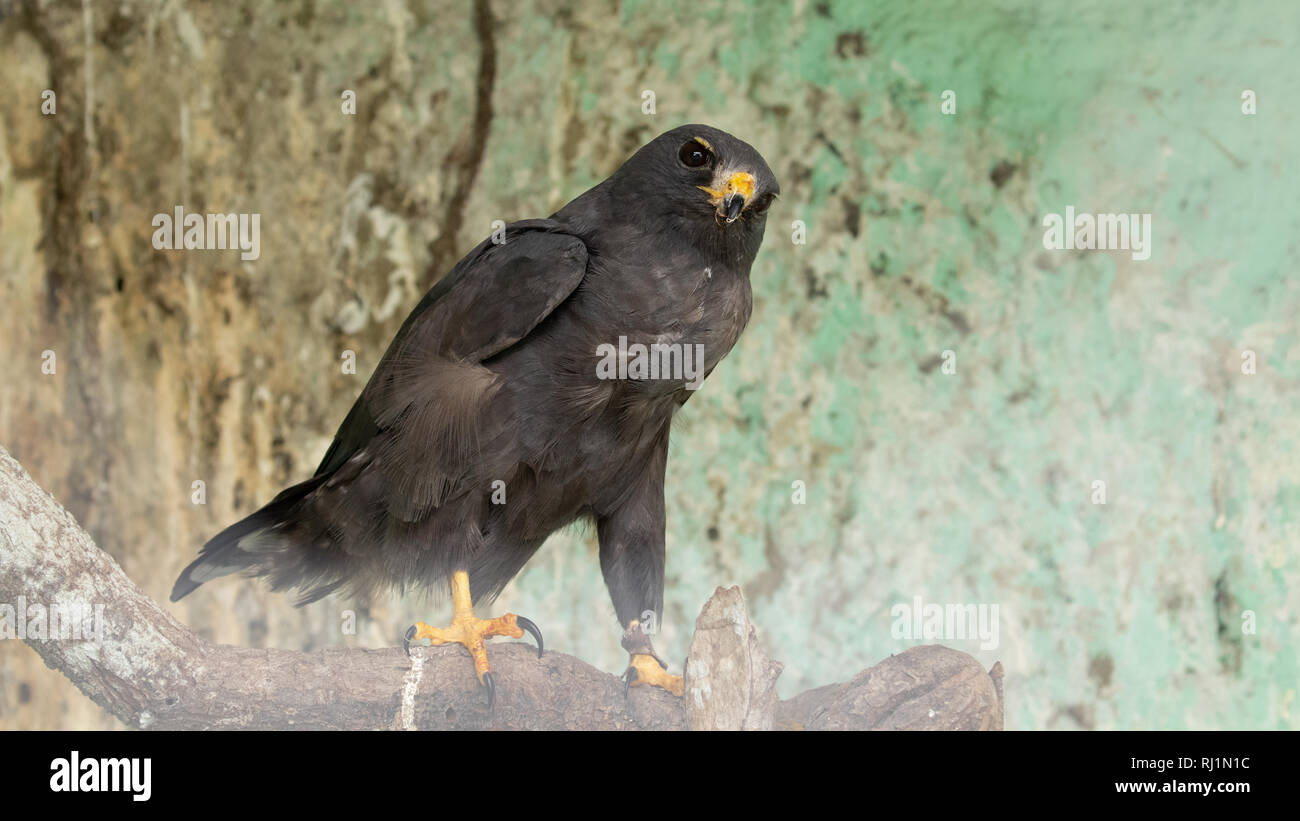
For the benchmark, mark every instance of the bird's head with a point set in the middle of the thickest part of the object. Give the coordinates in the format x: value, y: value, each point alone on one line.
x: 703, y: 179
x: 733, y: 178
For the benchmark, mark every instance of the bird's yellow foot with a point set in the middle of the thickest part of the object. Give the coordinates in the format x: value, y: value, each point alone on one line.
x: 470, y: 631
x: 644, y: 667
x: 648, y: 670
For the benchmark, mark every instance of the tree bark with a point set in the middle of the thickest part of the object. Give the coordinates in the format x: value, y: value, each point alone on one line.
x: 152, y: 672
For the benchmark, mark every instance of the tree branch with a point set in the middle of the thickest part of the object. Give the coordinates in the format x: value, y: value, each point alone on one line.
x: 152, y: 672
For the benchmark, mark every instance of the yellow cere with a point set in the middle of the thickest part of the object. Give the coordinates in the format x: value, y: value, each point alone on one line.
x: 741, y: 182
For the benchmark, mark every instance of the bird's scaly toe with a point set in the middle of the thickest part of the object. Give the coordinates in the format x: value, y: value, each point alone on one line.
x: 471, y: 632
x: 645, y: 670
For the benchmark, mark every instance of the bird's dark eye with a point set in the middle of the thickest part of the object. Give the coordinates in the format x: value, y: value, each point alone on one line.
x: 694, y: 155
x: 762, y: 203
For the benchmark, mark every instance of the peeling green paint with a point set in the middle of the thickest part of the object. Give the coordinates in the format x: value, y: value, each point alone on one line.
x: 1072, y: 366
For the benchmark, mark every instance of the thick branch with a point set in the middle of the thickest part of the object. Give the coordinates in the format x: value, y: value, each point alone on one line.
x: 152, y: 672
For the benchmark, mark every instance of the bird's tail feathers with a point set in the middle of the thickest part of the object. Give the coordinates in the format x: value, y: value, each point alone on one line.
x: 247, y: 545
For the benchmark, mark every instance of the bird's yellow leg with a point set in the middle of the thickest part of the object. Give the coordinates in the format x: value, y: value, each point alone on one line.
x: 471, y: 631
x: 644, y: 667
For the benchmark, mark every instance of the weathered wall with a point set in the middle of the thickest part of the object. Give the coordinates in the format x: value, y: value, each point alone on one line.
x: 923, y: 235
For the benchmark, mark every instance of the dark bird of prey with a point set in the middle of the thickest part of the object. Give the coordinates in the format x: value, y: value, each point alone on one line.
x: 515, y: 399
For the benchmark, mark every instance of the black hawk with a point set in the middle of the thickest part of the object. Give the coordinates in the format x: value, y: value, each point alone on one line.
x: 532, y: 386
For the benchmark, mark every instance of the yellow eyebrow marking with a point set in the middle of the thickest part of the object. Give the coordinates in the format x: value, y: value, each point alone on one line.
x: 703, y: 142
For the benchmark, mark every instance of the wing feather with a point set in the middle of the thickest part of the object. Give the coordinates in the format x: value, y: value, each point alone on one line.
x: 490, y: 301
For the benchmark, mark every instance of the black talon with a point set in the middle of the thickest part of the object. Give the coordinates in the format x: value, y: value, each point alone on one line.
x: 492, y: 692
x: 406, y: 640
x: 532, y: 629
x: 627, y: 680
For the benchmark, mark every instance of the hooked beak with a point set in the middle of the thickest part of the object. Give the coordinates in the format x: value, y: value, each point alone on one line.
x: 734, y: 207
x: 734, y: 196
